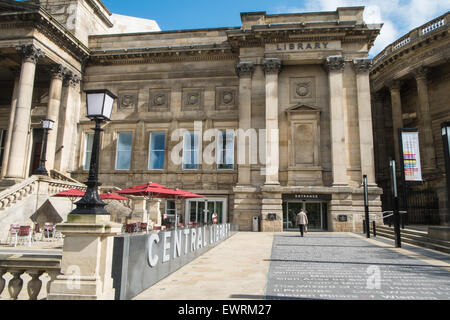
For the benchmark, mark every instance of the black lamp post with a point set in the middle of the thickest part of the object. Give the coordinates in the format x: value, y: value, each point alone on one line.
x: 99, y: 105
x: 47, y: 125
x: 445, y: 127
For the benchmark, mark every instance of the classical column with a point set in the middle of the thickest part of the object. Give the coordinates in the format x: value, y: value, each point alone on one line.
x: 428, y: 154
x: 362, y: 67
x: 19, y: 134
x: 10, y: 125
x: 382, y: 161
x: 272, y: 67
x: 244, y: 71
x: 54, y: 102
x: 397, y: 120
x: 335, y: 66
x: 67, y: 124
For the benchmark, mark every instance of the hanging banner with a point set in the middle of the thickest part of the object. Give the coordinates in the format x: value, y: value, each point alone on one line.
x: 411, y: 156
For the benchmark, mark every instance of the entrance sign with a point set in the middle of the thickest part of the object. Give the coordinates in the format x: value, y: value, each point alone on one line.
x: 140, y: 261
x: 411, y: 155
x: 303, y: 196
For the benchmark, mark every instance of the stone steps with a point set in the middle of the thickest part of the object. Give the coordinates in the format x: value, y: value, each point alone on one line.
x: 415, y: 237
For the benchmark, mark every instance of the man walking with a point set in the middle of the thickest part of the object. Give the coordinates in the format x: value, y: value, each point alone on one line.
x: 302, y: 221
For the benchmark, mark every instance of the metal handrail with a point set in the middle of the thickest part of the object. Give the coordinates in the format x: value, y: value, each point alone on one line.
x: 389, y: 215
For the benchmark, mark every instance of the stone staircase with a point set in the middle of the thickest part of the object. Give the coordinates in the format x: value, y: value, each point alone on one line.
x: 415, y: 237
x: 20, y: 200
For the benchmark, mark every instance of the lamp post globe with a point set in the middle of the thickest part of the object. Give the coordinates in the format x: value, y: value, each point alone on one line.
x: 99, y: 104
x: 47, y: 125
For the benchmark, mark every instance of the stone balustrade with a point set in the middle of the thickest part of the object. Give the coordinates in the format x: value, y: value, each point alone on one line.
x: 30, y: 271
x: 414, y: 35
x: 17, y: 192
x: 30, y: 186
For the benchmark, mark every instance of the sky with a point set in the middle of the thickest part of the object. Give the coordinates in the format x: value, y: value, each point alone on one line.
x: 398, y: 16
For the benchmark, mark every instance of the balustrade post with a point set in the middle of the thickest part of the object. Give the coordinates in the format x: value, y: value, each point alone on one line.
x: 15, y: 284
x: 35, y: 284
x: 52, y: 275
x: 2, y: 281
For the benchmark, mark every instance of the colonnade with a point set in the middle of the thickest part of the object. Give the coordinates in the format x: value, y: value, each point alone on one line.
x: 335, y: 67
x: 15, y: 159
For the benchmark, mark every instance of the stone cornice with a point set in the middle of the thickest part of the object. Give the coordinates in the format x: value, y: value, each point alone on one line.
x: 163, y: 54
x: 260, y: 34
x: 46, y: 24
x: 99, y: 12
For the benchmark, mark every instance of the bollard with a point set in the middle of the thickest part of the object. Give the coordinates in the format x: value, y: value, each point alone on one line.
x: 364, y: 226
x: 374, y: 229
x: 390, y: 221
x: 402, y: 219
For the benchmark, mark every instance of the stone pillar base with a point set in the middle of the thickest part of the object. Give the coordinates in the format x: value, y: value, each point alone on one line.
x: 83, y: 288
x: 272, y: 208
x: 87, y: 258
x: 272, y: 225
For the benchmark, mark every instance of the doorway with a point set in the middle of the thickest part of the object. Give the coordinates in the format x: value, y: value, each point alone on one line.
x: 316, y: 211
x: 36, y: 149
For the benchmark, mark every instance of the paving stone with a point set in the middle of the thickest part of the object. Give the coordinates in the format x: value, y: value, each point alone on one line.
x: 341, y: 266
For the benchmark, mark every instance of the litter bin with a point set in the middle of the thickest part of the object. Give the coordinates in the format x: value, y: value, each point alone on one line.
x: 255, y: 223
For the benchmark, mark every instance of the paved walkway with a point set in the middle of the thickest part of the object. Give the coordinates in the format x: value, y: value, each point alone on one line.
x: 347, y: 266
x: 235, y: 269
x: 321, y: 265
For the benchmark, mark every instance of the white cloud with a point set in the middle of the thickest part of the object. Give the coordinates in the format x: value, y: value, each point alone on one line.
x: 398, y: 16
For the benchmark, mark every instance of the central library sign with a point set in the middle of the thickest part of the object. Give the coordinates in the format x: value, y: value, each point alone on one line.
x: 140, y: 261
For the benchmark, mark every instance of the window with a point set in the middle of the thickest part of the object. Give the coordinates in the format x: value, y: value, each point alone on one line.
x: 2, y: 144
x: 190, y: 150
x: 89, y: 138
x: 156, y: 150
x: 170, y: 212
x: 197, y: 210
x: 123, y: 155
x: 225, y: 149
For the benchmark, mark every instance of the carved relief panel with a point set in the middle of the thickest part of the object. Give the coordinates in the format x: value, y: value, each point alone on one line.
x: 159, y: 100
x: 304, y: 164
x: 128, y: 100
x: 192, y: 99
x: 304, y: 140
x: 226, y: 98
x: 302, y: 89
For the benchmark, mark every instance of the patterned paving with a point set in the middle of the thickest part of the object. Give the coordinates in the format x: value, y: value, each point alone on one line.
x: 342, y: 266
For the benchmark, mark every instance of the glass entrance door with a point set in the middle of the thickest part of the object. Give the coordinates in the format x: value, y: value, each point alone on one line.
x: 316, y: 212
x: 314, y: 215
x: 292, y: 208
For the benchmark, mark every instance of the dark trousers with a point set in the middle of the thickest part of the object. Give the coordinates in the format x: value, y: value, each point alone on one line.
x: 302, y: 228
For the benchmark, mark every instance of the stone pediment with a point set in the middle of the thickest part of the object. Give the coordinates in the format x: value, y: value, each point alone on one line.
x: 301, y: 107
x: 14, y: 6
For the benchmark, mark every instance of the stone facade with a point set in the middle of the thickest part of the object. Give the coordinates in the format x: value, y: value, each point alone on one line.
x: 410, y: 89
x: 299, y: 82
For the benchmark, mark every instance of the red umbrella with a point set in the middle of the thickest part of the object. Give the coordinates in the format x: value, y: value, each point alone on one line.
x: 72, y: 194
x: 150, y: 190
x: 187, y: 194
x: 112, y: 196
